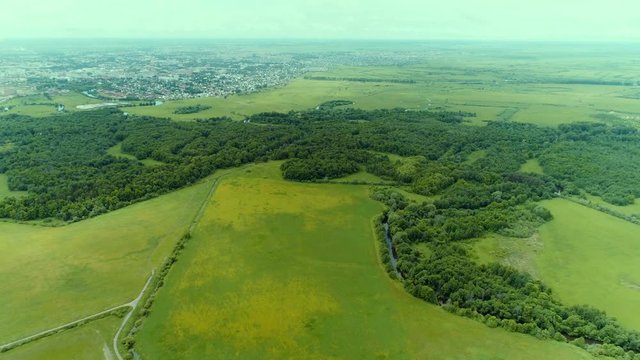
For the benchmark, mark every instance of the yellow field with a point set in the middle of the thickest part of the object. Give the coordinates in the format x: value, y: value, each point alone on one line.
x: 281, y: 270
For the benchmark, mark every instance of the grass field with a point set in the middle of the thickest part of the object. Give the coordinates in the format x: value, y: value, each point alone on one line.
x: 51, y: 276
x: 591, y: 257
x: 40, y: 106
x: 633, y: 209
x: 281, y: 270
x: 91, y: 341
x: 116, y: 151
x: 361, y: 177
x: 584, y: 255
x: 4, y: 189
x: 532, y: 166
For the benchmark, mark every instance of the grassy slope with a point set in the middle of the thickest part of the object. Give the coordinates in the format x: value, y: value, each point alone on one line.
x: 283, y: 270
x: 91, y: 341
x: 51, y: 276
x: 590, y: 257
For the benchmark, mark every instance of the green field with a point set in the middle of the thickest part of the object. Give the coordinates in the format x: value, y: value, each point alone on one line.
x: 91, y: 341
x: 361, y: 177
x: 51, y: 276
x: 116, y: 151
x: 584, y: 255
x: 281, y: 270
x: 633, y: 209
x: 591, y: 257
x: 40, y: 106
x: 4, y: 188
x: 532, y: 166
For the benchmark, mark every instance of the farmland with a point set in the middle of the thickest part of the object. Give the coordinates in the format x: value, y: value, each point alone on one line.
x: 84, y: 268
x: 284, y: 270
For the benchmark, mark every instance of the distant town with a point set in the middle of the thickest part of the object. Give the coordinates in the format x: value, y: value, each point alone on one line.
x: 158, y: 73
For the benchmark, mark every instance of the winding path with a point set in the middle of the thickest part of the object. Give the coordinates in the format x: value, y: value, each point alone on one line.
x: 85, y: 319
x: 133, y: 304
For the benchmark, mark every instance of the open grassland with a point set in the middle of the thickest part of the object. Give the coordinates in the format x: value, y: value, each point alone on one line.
x: 90, y: 341
x: 41, y: 106
x: 4, y: 188
x: 584, y: 255
x: 280, y: 270
x: 51, y: 276
x: 591, y: 257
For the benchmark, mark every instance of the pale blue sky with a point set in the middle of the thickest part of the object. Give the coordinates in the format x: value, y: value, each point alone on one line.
x: 349, y: 19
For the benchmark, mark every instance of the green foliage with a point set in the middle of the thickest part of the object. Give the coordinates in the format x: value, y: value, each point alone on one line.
x: 493, y: 293
x: 191, y: 109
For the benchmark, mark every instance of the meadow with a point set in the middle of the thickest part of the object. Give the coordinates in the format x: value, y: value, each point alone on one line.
x: 591, y: 257
x: 90, y: 341
x: 4, y: 188
x: 584, y: 255
x: 54, y: 275
x: 41, y: 106
x: 282, y: 270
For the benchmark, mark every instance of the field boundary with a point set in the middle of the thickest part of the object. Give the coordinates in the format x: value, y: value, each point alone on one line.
x: 602, y: 209
x: 135, y: 319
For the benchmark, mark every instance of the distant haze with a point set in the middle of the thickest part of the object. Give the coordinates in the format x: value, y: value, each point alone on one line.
x: 583, y: 20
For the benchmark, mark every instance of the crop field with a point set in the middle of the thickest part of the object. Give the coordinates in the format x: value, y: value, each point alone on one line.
x: 51, y: 276
x: 283, y: 270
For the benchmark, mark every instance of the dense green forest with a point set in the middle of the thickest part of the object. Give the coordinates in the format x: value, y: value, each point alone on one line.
x: 63, y: 164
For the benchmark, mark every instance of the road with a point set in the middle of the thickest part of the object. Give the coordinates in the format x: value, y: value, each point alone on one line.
x: 48, y: 332
x: 133, y: 304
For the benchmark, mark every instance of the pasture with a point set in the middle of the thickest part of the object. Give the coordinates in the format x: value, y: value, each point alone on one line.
x: 90, y: 341
x: 584, y: 255
x: 591, y: 257
x: 282, y: 270
x: 54, y: 275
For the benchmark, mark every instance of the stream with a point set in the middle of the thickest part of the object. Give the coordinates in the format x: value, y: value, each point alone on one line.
x: 392, y: 252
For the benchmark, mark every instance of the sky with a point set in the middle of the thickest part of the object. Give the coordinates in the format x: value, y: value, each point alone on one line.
x: 561, y: 20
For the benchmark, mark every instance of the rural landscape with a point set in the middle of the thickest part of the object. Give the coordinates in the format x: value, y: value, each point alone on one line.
x: 364, y: 197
